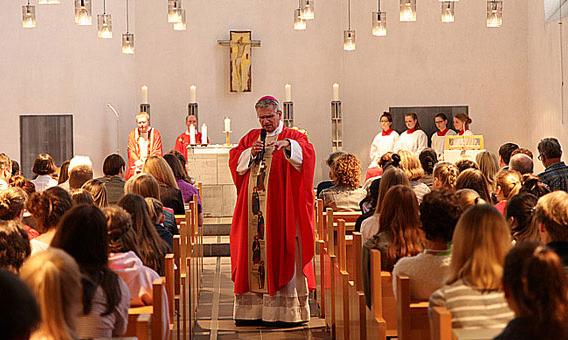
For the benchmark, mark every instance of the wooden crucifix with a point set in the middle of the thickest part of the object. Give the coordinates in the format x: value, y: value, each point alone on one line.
x: 241, y: 45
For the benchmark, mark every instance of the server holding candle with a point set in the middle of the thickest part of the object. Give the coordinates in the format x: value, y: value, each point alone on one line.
x: 191, y: 136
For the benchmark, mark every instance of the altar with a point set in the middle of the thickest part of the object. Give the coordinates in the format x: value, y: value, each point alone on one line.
x: 210, y: 166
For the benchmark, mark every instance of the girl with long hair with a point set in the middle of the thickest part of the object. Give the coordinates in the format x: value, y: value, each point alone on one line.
x: 508, y: 184
x: 473, y: 292
x: 475, y: 180
x: 412, y: 168
x: 55, y: 279
x: 83, y: 234
x: 170, y: 194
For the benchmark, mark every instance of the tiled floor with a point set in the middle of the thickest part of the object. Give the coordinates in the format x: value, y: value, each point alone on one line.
x: 215, y: 311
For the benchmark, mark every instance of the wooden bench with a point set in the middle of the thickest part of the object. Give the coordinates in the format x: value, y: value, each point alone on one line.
x: 383, y: 300
x: 413, y: 322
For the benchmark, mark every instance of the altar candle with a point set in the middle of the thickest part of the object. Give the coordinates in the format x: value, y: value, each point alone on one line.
x: 144, y: 92
x: 203, y: 134
x: 192, y: 134
x: 227, y: 124
x: 193, y: 94
x: 288, y: 90
x: 336, y: 92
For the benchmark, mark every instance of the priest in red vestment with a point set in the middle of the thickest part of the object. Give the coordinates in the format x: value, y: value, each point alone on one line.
x: 183, y: 140
x: 272, y: 238
x: 143, y: 142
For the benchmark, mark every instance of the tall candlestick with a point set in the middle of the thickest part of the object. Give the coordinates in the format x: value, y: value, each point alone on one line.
x: 193, y: 94
x: 204, y: 134
x: 288, y: 90
x: 144, y: 92
x: 335, y: 92
x: 192, y: 135
x: 227, y: 124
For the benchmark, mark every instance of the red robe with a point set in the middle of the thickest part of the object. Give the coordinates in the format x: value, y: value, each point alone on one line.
x: 183, y: 141
x: 154, y: 148
x: 290, y: 203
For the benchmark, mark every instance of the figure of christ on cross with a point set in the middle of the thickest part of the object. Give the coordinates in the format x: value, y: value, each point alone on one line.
x: 272, y: 268
x: 241, y: 45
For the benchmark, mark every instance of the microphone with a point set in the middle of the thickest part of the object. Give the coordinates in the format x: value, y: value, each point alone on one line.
x: 263, y: 140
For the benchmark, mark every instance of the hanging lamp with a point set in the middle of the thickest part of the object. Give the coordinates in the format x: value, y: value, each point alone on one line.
x: 379, y: 28
x: 349, y: 34
x: 174, y: 11
x: 104, y: 24
x: 494, y: 13
x: 407, y: 10
x: 83, y: 12
x: 299, y: 22
x: 127, y: 38
x: 181, y: 25
x: 448, y: 14
x: 28, y: 16
x: 308, y: 10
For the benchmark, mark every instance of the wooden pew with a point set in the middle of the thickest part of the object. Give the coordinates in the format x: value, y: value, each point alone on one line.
x: 329, y: 265
x: 321, y: 253
x: 413, y: 322
x: 143, y: 326
x: 383, y: 300
x: 341, y: 278
x: 376, y: 326
x: 441, y: 324
x: 156, y: 310
x: 350, y: 218
x: 357, y: 307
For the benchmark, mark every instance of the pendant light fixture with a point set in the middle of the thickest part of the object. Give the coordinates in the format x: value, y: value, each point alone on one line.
x: 127, y: 38
x: 181, y: 25
x: 407, y: 10
x: 299, y: 22
x: 28, y: 16
x: 494, y: 13
x: 448, y: 14
x: 379, y: 22
x: 308, y: 10
x: 83, y: 12
x: 104, y: 24
x: 349, y: 34
x: 174, y: 11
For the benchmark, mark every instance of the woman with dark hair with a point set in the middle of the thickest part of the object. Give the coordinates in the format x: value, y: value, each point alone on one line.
x: 533, y: 185
x: 98, y: 190
x: 63, y: 172
x: 400, y: 234
x: 170, y: 194
x: 428, y: 160
x: 475, y: 180
x: 413, y: 139
x: 384, y: 141
x: 44, y: 168
x: 461, y: 123
x: 83, y: 234
x: 152, y: 248
x: 520, y: 215
x: 536, y: 288
x: 47, y: 209
x: 14, y: 246
x: 439, y: 137
x: 12, y: 206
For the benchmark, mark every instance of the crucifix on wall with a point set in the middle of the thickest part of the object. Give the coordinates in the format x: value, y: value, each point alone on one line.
x: 241, y: 45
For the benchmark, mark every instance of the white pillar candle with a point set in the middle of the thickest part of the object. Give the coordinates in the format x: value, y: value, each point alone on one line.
x: 193, y: 94
x: 288, y: 91
x: 336, y: 92
x: 204, y: 134
x: 192, y: 135
x: 144, y: 93
x: 227, y: 124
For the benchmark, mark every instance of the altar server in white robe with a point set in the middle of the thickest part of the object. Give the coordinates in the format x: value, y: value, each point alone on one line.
x: 384, y: 141
x: 461, y: 123
x: 413, y: 139
x: 439, y: 137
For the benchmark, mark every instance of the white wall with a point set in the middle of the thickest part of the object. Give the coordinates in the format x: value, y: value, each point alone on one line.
x: 60, y: 67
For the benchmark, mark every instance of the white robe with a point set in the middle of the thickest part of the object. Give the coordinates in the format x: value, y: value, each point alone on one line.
x: 414, y: 142
x: 438, y: 142
x: 381, y: 145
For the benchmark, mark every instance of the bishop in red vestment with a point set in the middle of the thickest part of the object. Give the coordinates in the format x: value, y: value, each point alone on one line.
x: 183, y: 140
x: 272, y: 239
x: 143, y: 142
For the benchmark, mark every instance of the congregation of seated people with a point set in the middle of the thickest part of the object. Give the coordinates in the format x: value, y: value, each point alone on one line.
x: 76, y: 252
x: 486, y: 238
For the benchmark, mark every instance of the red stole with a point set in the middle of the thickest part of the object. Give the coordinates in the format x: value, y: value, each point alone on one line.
x: 410, y: 131
x: 387, y: 133
x: 289, y: 209
x: 461, y: 132
x: 443, y: 132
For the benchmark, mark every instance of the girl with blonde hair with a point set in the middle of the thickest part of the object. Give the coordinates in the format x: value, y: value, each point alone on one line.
x: 412, y: 168
x: 55, y: 279
x: 489, y: 165
x: 445, y: 176
x: 508, y: 184
x: 475, y: 180
x: 170, y: 195
x: 473, y: 292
